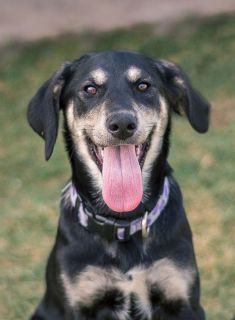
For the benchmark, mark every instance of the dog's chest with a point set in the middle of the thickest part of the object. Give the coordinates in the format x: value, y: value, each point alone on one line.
x: 140, y: 290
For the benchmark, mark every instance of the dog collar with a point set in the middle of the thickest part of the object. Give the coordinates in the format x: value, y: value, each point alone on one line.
x: 117, y: 229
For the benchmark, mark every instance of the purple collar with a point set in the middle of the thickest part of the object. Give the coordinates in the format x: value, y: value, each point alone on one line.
x: 117, y: 229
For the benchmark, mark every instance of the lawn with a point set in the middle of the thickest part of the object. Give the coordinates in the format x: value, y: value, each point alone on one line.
x: 203, y: 164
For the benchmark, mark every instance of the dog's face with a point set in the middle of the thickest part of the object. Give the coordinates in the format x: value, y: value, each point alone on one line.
x: 117, y: 108
x: 114, y: 100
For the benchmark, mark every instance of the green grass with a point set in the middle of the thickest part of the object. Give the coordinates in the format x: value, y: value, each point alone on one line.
x: 204, y: 164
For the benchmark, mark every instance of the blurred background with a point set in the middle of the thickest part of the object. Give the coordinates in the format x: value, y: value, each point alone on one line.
x: 36, y: 36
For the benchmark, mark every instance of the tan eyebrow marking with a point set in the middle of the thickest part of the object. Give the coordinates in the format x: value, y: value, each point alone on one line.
x: 133, y: 73
x: 99, y: 76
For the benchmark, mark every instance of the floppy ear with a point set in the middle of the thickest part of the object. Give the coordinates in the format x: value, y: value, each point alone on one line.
x: 182, y: 97
x: 43, y: 109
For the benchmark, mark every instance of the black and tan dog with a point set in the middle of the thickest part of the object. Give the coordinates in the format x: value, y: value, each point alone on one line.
x: 124, y: 247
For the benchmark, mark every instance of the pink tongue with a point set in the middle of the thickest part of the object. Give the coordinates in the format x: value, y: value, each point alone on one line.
x: 122, y: 181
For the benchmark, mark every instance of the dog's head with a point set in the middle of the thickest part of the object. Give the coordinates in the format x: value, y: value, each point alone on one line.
x: 117, y: 109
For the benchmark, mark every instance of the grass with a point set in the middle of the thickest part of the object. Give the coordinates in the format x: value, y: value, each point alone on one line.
x: 204, y: 164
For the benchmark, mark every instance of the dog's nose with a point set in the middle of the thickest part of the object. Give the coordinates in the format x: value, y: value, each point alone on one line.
x: 122, y: 126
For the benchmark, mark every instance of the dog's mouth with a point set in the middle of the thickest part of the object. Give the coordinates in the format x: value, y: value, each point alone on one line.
x: 121, y: 165
x: 97, y: 152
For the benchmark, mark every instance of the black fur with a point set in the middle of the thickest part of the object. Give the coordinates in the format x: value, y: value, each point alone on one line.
x: 75, y: 247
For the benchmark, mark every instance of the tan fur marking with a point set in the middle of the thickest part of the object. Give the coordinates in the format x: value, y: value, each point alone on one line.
x: 66, y: 197
x: 78, y: 126
x: 168, y: 64
x: 95, y: 281
x: 88, y: 283
x: 133, y: 73
x: 57, y: 88
x: 160, y: 121
x: 100, y: 76
x: 91, y: 282
x: 179, y: 81
x: 139, y: 287
x: 173, y: 281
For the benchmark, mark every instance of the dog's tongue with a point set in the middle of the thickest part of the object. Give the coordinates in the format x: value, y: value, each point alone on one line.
x: 122, y: 180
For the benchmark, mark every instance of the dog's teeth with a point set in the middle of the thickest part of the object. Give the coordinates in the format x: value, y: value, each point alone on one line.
x: 100, y: 152
x: 137, y: 151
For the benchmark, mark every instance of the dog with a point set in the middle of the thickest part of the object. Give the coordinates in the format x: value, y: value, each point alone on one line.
x: 124, y: 247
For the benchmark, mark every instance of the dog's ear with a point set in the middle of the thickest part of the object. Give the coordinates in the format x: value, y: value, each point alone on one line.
x: 182, y: 97
x: 44, y: 107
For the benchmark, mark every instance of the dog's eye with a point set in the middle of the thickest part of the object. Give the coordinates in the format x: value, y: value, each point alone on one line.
x: 90, y: 90
x: 143, y: 86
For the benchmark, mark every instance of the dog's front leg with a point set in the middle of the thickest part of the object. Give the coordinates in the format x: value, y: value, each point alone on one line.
x: 184, y: 314
x: 47, y: 311
x: 174, y: 291
x: 111, y: 304
x: 96, y: 294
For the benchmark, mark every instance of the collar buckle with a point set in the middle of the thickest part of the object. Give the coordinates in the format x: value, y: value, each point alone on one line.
x: 109, y: 228
x: 144, y: 226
